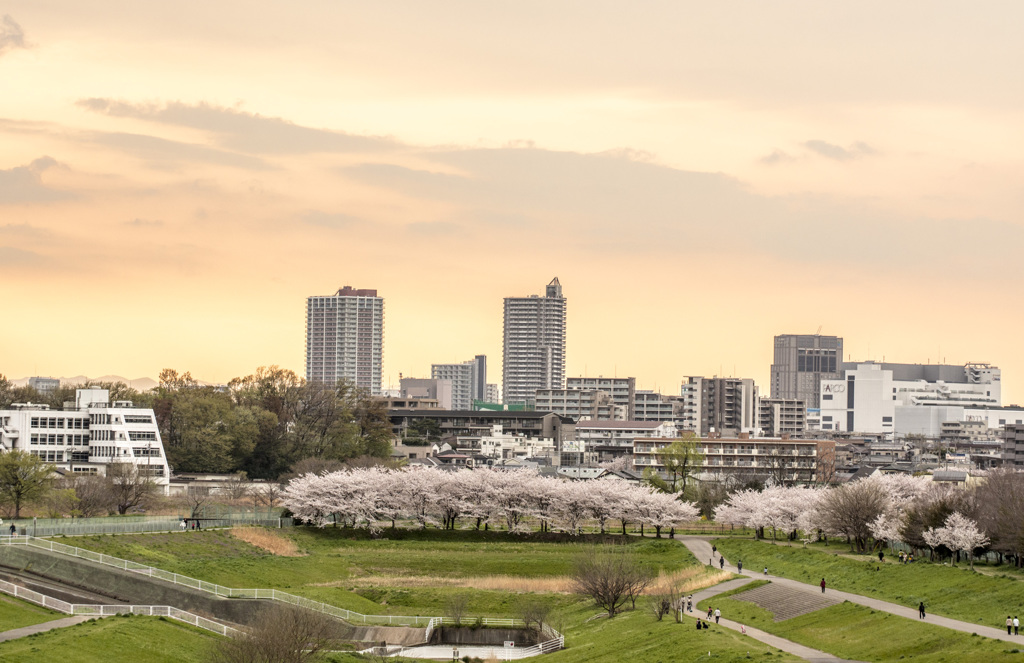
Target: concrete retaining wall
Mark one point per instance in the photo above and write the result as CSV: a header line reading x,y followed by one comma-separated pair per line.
x,y
124,586
465,635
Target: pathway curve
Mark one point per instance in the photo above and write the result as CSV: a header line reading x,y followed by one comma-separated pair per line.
x,y
701,548
16,633
789,646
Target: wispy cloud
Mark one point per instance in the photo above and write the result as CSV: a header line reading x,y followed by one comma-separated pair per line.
x,y
11,34
243,131
144,223
837,152
162,153
776,157
14,257
24,184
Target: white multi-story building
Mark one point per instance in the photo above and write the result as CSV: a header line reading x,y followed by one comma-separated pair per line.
x,y
88,437
622,391
492,394
652,406
579,404
533,349
345,338
902,399
506,445
606,440
468,380
781,416
727,406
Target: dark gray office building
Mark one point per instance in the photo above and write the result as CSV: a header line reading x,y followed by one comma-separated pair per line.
x,y
801,362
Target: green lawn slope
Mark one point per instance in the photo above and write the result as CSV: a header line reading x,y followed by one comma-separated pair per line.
x,y
15,613
112,640
953,592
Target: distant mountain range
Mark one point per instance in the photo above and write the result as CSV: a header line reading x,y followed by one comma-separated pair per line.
x,y
140,384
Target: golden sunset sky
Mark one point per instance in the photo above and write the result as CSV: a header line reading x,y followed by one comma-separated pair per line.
x,y
176,179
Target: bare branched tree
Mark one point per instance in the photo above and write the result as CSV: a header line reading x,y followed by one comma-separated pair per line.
x,y
455,607
129,487
665,599
194,499
533,612
610,576
282,634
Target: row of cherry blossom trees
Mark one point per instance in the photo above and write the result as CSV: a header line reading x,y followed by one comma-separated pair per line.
x,y
892,508
514,499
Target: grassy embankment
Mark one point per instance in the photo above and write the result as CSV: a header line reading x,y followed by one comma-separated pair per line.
x,y
15,613
857,633
409,572
952,592
416,573
113,640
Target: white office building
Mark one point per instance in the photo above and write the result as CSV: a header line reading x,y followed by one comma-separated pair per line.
x,y
903,399
345,338
87,435
533,349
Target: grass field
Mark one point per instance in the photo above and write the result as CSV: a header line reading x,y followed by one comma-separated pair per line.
x,y
858,633
112,640
409,573
15,613
417,572
953,592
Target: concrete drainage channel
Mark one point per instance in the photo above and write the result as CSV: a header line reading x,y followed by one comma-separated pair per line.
x,y
73,573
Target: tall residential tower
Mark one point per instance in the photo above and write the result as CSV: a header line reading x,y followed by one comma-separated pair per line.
x,y
345,338
534,345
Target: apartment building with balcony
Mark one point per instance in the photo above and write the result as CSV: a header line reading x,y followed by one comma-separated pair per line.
x,y
622,392
533,345
744,458
345,338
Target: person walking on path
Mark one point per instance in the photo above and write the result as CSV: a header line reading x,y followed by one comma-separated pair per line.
x,y
881,556
718,615
14,530
1009,624
766,570
709,613
714,549
1016,625
721,561
920,610
822,585
739,565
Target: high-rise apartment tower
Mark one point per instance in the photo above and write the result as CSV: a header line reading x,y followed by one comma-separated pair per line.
x,y
534,345
801,362
345,338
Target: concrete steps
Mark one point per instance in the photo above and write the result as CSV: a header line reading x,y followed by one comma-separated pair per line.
x,y
785,603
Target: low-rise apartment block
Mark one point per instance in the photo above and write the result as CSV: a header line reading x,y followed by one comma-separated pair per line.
x,y
744,458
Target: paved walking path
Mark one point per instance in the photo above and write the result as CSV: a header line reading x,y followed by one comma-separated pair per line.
x,y
42,628
789,646
701,548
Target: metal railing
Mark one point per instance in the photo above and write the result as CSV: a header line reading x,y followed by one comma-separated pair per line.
x,y
81,526
429,623
107,610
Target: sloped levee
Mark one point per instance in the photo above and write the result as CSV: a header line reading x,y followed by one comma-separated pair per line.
x,y
124,586
77,580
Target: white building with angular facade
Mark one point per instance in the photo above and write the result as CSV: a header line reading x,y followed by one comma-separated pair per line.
x,y
88,435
